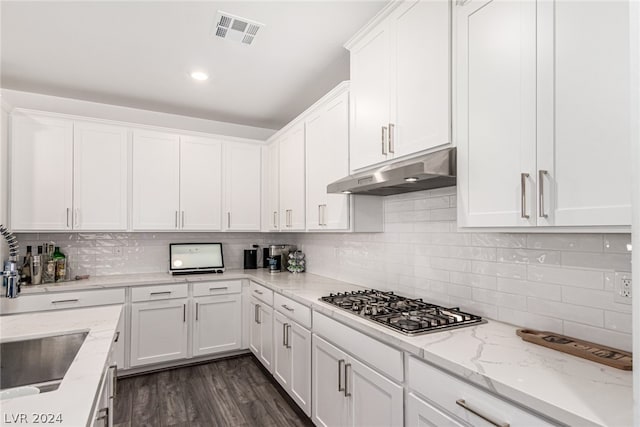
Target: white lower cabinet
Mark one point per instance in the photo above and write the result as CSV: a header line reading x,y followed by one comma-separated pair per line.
x,y
292,359
217,324
459,401
422,414
261,332
348,393
158,331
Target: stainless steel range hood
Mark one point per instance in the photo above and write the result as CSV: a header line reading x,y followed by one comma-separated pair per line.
x,y
433,170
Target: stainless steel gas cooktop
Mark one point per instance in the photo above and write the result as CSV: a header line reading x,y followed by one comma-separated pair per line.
x,y
404,315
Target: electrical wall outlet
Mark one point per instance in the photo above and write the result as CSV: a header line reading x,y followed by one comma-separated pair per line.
x,y
117,250
622,289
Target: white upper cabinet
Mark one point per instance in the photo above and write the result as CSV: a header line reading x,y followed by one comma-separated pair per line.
x,y
156,181
242,176
543,117
100,177
292,184
496,113
420,76
327,160
41,173
583,113
400,83
273,186
200,184
370,93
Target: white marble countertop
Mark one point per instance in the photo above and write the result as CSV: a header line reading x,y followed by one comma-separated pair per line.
x,y
74,400
569,389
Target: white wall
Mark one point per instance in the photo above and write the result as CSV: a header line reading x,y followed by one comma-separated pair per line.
x,y
34,101
558,282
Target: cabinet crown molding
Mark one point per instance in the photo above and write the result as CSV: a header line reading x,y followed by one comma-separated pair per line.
x,y
376,20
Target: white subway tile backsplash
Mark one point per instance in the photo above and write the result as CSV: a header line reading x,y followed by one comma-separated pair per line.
x,y
585,315
566,276
566,242
555,282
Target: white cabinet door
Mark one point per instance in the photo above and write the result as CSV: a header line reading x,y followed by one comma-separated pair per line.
x,y
292,197
242,186
158,331
299,341
370,92
583,113
273,186
200,184
254,328
423,414
374,400
156,180
281,353
327,160
41,173
420,113
217,324
496,113
265,317
330,406
100,198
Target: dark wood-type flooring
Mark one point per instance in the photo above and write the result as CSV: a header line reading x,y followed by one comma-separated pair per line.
x,y
229,392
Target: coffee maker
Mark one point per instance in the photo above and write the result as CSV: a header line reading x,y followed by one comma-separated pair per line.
x,y
278,259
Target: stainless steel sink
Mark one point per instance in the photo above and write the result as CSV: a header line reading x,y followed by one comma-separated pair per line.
x,y
41,362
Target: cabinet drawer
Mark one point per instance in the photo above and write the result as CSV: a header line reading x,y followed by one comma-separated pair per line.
x,y
222,287
384,358
450,393
61,300
293,310
262,293
152,293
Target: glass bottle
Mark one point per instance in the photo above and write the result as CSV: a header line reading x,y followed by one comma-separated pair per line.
x,y
25,273
61,264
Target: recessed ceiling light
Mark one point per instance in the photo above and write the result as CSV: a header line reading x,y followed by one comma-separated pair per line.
x,y
199,75
346,192
411,179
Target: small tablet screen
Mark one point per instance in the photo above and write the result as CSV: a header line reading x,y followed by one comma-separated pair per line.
x,y
195,256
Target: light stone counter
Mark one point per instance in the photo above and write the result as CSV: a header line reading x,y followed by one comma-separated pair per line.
x,y
569,389
74,400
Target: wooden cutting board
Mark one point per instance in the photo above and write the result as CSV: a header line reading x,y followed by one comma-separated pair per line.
x,y
587,350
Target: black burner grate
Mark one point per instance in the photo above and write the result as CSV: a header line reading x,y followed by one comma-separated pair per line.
x,y
405,315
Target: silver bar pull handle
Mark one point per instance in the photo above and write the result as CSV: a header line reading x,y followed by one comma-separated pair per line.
x,y
259,292
255,313
284,335
182,219
319,214
347,368
287,333
465,405
68,217
160,293
541,175
197,312
114,381
340,369
392,145
117,337
218,289
176,218
64,300
228,219
523,195
384,140
259,315
286,307
184,313
275,219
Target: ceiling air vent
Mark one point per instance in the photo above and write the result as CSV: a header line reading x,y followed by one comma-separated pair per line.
x,y
231,27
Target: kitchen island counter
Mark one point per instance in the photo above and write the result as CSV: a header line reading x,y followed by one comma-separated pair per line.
x,y
74,402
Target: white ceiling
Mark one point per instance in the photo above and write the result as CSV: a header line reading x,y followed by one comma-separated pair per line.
x,y
140,54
